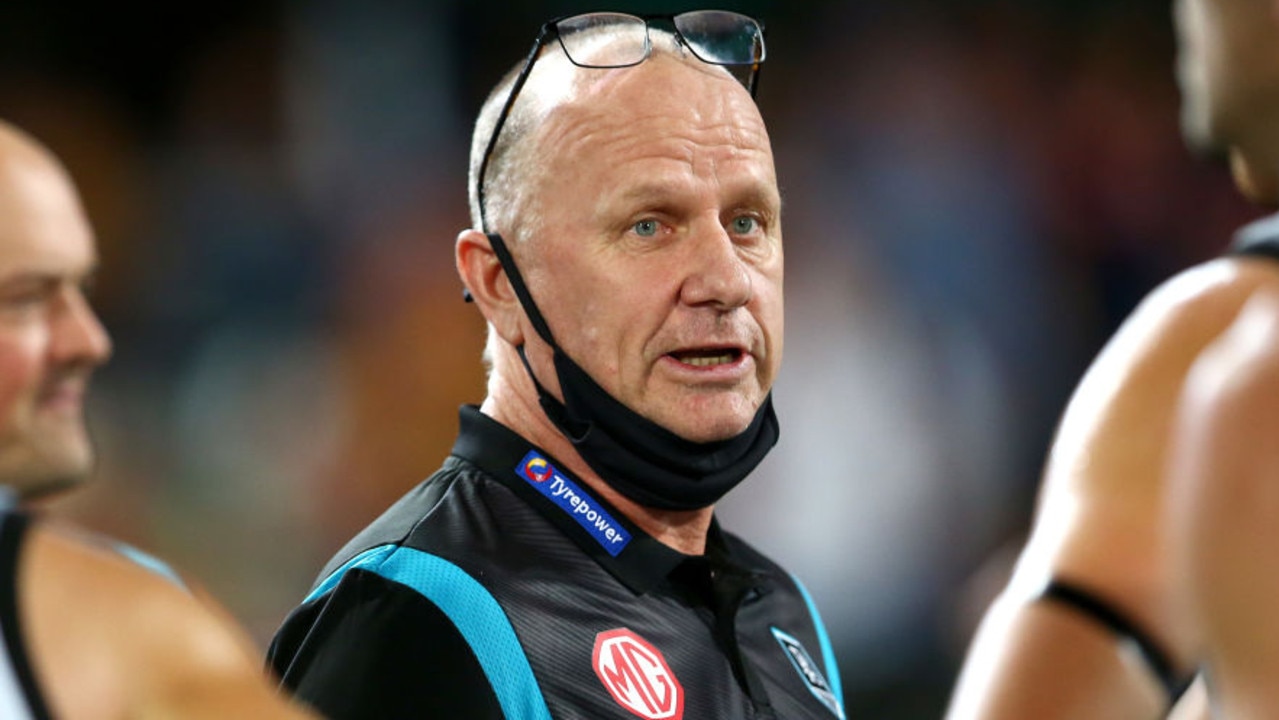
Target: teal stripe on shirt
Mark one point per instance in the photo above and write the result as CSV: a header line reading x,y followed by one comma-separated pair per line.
x,y
828,651
474,612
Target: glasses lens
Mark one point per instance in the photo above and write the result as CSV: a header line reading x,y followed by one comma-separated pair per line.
x,y
604,40
722,38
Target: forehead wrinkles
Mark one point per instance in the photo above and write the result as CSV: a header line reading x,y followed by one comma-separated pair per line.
x,y
709,122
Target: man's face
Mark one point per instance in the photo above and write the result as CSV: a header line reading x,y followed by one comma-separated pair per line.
x,y
1227,70
657,258
50,339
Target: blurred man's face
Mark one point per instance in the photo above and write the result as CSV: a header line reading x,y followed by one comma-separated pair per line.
x,y
1227,70
657,260
50,339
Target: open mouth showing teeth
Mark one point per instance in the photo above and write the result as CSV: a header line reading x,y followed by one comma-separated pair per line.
x,y
707,358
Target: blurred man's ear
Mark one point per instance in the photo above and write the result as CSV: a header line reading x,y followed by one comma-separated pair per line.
x,y
1259,184
488,284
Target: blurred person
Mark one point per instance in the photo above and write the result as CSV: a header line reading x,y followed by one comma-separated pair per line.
x,y
565,561
89,628
1112,608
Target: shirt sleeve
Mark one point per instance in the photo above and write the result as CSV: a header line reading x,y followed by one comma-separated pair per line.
x,y
373,647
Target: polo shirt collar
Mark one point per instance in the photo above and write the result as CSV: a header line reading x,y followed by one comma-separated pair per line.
x,y
643,564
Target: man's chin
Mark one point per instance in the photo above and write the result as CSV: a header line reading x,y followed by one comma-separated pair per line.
x,y
48,474
708,427
48,487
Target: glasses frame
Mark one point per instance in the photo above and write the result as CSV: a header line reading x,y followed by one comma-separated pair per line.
x,y
550,30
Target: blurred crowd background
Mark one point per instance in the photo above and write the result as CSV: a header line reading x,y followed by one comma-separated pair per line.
x,y
977,192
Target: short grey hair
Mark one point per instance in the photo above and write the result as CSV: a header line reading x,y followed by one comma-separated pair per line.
x,y
509,162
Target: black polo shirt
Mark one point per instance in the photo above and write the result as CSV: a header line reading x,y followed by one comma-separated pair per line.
x,y
503,588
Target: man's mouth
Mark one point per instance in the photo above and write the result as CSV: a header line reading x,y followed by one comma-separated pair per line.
x,y
63,393
708,357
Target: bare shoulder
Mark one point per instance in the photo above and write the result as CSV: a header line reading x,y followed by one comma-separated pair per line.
x,y
1230,390
1118,417
1196,303
1099,519
106,632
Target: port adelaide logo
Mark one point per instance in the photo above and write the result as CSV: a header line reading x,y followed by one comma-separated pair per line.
x,y
637,676
808,672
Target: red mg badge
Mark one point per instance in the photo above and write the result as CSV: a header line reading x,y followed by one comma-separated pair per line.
x,y
637,675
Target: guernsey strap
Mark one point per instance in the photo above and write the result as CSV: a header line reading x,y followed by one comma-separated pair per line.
x,y
1157,658
1260,238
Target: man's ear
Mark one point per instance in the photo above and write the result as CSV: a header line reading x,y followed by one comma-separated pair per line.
x,y
484,278
1258,182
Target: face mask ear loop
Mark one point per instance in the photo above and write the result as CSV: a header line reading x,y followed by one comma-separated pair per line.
x,y
554,409
521,291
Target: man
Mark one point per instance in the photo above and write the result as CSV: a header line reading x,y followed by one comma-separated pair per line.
x,y
565,561
1094,622
87,628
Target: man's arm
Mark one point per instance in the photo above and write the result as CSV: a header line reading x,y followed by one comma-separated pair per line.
x,y
108,638
1039,660
1224,508
1099,527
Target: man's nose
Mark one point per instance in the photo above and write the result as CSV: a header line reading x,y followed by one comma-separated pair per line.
x,y
78,334
717,274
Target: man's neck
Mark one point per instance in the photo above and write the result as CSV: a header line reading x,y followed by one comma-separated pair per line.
x,y
683,530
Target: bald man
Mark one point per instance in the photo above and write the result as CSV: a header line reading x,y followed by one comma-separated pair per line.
x,y
1121,596
90,629
565,562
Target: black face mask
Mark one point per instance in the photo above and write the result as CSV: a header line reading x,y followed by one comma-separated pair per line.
x,y
637,457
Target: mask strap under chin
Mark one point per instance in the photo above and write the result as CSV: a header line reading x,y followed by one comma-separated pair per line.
x,y
554,409
521,292
541,391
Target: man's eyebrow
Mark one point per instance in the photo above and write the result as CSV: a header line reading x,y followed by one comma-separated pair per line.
x,y
755,195
649,195
751,194
647,191
27,281
39,276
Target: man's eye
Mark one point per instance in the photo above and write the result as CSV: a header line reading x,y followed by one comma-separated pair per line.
x,y
24,300
744,225
646,228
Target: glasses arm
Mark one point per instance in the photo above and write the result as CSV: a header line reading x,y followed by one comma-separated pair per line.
x,y
758,64
542,37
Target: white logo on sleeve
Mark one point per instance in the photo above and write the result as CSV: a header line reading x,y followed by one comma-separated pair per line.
x,y
809,672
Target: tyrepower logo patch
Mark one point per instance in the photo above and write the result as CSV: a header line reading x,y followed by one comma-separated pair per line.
x,y
581,506
637,676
